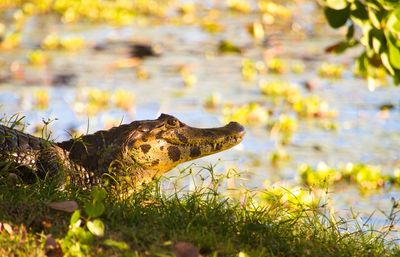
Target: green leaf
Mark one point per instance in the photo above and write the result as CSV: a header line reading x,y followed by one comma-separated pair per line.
x,y
98,193
386,63
373,4
362,64
396,77
350,32
337,18
376,40
336,4
358,11
75,217
96,227
393,21
375,18
116,244
84,236
95,209
389,4
394,54
341,46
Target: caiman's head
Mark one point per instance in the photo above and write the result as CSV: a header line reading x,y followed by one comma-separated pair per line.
x,y
161,144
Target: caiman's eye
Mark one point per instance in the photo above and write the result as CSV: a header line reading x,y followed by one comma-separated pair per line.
x,y
173,122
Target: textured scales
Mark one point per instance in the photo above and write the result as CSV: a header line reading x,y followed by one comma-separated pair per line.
x,y
130,154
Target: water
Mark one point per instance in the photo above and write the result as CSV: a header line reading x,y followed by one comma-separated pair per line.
x,y
363,134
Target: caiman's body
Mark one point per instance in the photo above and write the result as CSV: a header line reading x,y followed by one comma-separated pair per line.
x,y
129,154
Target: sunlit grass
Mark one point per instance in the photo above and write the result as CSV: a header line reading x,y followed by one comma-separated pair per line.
x,y
274,222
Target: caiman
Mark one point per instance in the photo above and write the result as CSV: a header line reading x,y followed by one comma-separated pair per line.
x,y
130,154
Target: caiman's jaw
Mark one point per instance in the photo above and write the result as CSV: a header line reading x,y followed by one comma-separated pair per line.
x,y
166,142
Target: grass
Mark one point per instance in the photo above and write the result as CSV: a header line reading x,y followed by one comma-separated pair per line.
x,y
152,222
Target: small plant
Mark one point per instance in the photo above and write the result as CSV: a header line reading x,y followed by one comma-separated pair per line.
x,y
212,101
248,69
276,65
283,128
278,156
279,89
251,113
297,67
124,99
241,6
330,70
322,176
211,26
313,106
38,57
84,232
97,100
366,177
41,99
256,30
274,9
11,40
227,47
70,43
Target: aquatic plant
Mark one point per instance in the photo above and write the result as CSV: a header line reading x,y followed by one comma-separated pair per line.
x,y
283,128
141,73
69,43
256,30
330,70
212,101
366,177
41,99
313,106
124,99
11,40
251,113
241,6
280,89
228,47
276,9
248,69
38,57
297,67
279,156
276,65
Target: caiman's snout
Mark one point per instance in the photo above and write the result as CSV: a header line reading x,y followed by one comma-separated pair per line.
x,y
205,141
235,127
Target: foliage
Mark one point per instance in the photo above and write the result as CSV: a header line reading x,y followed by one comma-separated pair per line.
x,y
379,22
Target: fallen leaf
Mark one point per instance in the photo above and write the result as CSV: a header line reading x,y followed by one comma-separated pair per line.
x,y
67,206
51,247
185,249
7,227
50,242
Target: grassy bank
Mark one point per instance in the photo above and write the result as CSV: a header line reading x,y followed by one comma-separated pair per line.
x,y
153,222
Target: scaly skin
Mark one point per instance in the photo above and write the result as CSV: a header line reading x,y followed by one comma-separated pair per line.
x,y
130,154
